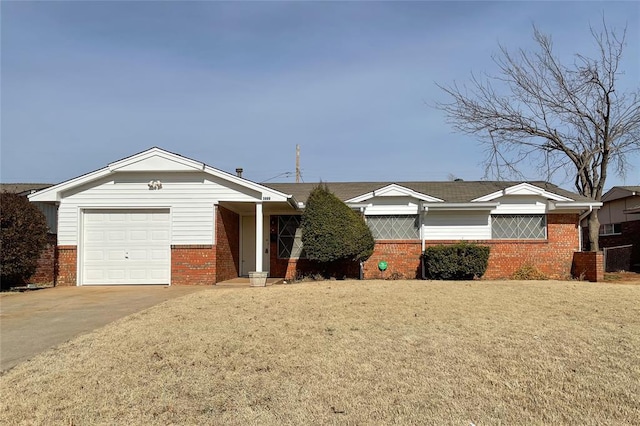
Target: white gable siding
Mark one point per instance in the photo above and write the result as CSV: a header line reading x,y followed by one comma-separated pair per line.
x,y
189,196
392,206
518,204
456,225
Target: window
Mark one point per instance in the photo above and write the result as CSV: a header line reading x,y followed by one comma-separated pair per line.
x,y
290,237
394,227
610,229
519,227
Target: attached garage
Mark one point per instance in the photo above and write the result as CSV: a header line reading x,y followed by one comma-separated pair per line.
x,y
125,247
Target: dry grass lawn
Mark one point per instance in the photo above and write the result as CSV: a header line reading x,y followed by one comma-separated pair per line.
x,y
372,352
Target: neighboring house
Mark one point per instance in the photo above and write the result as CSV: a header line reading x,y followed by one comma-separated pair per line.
x,y
620,228
46,271
160,218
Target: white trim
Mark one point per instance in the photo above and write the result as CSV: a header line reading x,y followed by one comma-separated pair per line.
x,y
393,190
522,189
559,205
259,236
460,206
54,193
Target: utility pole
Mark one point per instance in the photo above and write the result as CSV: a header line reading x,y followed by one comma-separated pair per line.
x,y
297,163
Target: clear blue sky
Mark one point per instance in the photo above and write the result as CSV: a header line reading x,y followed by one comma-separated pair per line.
x,y
239,84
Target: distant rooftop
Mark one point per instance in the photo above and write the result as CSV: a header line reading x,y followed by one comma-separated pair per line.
x,y
23,188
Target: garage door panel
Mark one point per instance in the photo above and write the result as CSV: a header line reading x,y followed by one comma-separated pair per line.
x,y
126,247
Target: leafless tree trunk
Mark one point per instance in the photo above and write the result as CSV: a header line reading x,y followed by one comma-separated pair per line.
x,y
559,118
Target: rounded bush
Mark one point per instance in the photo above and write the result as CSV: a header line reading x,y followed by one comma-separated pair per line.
x,y
331,231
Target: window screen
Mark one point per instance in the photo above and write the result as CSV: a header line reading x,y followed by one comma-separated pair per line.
x,y
394,227
520,227
290,237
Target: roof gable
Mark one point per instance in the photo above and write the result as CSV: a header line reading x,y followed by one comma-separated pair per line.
x,y
618,192
155,159
522,189
393,190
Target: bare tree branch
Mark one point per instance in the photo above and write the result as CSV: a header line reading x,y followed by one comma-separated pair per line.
x,y
539,111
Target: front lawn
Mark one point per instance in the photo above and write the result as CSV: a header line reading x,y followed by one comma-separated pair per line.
x,y
369,352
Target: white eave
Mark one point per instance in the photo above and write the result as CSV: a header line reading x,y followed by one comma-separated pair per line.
x,y
156,159
393,190
461,206
522,189
574,205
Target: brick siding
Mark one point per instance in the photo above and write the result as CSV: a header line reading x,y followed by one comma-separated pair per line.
x,y
46,270
553,256
193,264
67,265
227,244
588,265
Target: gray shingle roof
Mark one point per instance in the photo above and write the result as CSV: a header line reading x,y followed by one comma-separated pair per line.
x,y
449,191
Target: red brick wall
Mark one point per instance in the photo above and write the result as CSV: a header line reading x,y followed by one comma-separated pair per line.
x,y
402,257
193,265
67,265
553,256
227,244
588,265
47,263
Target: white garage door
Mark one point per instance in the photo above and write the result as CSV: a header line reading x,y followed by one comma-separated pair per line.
x,y
126,247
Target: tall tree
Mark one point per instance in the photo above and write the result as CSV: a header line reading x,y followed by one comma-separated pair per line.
x,y
541,112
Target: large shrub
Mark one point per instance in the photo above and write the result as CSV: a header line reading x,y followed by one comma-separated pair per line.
x,y
23,235
331,231
460,261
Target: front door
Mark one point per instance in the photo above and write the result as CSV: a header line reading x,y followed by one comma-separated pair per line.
x,y
248,247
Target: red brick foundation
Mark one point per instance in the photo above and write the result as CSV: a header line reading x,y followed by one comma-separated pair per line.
x,y
588,265
193,265
47,263
67,266
227,244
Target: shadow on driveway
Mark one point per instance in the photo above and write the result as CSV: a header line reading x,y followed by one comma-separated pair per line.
x,y
34,321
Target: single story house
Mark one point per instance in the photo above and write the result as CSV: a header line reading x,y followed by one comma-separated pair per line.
x,y
620,228
160,218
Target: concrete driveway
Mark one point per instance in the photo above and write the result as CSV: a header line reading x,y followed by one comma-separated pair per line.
x,y
34,321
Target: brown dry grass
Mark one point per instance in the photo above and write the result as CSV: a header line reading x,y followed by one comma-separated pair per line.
x,y
400,352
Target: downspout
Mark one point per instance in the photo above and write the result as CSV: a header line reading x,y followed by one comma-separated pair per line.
x,y
581,218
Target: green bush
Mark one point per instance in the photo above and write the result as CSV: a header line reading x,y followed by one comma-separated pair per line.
x,y
332,232
460,261
23,235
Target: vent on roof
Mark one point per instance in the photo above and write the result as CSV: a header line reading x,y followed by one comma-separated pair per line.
x,y
239,171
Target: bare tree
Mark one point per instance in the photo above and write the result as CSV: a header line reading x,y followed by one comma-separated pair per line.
x,y
538,111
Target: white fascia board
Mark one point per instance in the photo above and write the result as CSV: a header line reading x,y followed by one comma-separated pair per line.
x,y
393,190
53,193
460,206
574,205
268,194
169,160
522,189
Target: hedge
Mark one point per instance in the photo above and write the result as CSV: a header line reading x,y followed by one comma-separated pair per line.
x,y
462,261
